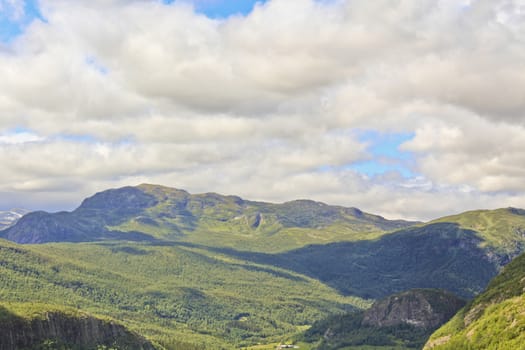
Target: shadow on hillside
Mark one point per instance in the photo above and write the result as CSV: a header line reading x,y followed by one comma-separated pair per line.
x,y
440,255
7,316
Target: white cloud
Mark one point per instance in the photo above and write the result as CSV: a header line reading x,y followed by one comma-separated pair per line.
x,y
472,151
266,105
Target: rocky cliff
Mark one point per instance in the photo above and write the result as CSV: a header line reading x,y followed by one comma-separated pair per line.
x,y
423,308
59,329
404,320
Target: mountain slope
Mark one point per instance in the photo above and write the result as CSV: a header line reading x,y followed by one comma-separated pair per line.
x,y
226,272
149,212
461,253
502,230
431,256
403,321
39,326
175,294
493,320
356,253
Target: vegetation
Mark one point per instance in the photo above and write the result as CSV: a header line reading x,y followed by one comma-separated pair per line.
x,y
401,321
149,213
493,320
440,255
209,271
169,293
501,230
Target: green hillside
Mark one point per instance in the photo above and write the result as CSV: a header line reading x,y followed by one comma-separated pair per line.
x,y
150,212
211,271
502,230
173,294
493,320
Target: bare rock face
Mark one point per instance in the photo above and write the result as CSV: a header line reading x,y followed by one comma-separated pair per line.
x,y
55,328
422,308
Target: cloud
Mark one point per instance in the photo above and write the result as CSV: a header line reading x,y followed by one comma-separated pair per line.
x,y
269,105
472,151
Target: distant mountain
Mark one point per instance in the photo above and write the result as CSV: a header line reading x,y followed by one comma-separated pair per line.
x,y
207,271
35,326
355,252
495,319
404,320
10,217
149,212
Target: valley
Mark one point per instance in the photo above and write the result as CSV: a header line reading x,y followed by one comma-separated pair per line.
x,y
219,272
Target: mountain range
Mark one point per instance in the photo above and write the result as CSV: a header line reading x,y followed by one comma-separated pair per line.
x,y
10,217
149,212
207,271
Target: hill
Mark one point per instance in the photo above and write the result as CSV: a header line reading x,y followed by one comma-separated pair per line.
x,y
436,255
38,326
495,319
180,296
502,230
401,321
354,252
460,253
212,271
149,213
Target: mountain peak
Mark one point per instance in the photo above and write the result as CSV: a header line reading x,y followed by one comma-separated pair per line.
x,y
125,198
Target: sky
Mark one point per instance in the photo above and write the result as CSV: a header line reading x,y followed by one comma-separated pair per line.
x,y
409,109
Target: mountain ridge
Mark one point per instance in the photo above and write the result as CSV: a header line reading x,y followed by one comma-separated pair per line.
x,y
337,245
232,272
150,212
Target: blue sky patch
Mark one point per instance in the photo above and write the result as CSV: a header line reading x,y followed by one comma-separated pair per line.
x,y
221,8
385,154
12,23
96,65
373,168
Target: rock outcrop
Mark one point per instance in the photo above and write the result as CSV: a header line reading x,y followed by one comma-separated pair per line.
x,y
57,329
422,308
403,320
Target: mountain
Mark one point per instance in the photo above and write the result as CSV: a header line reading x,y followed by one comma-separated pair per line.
x,y
10,217
495,319
354,252
404,321
206,271
460,253
149,212
37,326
